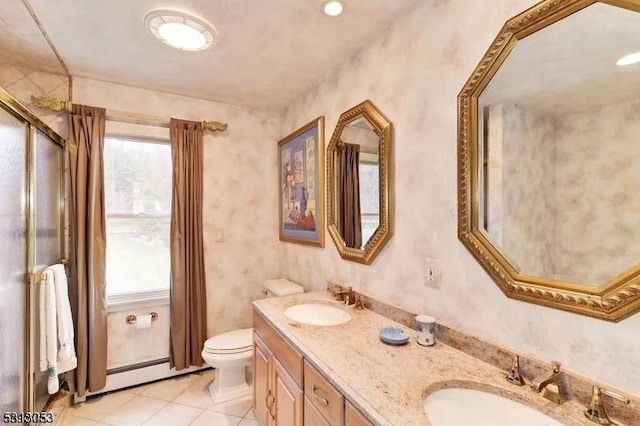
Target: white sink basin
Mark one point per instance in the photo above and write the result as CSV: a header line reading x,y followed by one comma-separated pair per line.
x,y
317,314
462,407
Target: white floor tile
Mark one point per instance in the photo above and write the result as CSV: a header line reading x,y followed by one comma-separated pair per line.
x,y
174,415
135,412
98,407
248,422
238,407
196,395
167,389
211,418
70,420
204,376
249,414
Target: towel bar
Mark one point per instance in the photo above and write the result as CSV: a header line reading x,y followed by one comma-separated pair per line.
x,y
131,319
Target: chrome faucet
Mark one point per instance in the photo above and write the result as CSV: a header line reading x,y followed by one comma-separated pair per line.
x,y
595,410
514,376
549,385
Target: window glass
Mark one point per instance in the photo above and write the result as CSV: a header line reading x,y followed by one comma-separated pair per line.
x,y
137,176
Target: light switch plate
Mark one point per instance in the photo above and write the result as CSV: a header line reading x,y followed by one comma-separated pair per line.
x,y
432,272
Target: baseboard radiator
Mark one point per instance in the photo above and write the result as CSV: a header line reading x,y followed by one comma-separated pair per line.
x,y
138,374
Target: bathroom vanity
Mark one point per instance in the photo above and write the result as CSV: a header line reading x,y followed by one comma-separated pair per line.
x,y
288,389
344,375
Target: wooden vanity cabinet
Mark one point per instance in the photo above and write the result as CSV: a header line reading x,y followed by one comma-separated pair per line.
x,y
353,417
262,366
279,397
277,378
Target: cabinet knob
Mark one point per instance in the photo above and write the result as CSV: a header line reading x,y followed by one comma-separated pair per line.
x,y
322,401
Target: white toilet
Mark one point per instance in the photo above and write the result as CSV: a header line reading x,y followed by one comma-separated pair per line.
x,y
231,353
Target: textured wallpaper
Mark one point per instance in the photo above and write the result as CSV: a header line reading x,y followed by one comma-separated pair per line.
x,y
413,72
563,190
528,166
598,200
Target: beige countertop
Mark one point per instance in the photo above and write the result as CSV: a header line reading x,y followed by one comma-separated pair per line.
x,y
389,383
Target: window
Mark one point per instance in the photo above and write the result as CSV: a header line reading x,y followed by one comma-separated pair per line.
x,y
369,199
137,176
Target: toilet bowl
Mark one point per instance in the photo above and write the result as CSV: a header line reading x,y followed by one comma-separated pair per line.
x,y
231,353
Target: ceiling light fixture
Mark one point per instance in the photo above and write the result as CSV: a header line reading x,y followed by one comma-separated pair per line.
x,y
332,7
631,59
180,30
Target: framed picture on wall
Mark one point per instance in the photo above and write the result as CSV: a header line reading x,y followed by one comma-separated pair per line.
x,y
301,185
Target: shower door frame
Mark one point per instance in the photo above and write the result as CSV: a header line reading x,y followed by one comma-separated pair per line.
x,y
34,124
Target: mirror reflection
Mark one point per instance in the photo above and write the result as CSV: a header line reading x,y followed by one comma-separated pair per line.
x,y
357,183
559,153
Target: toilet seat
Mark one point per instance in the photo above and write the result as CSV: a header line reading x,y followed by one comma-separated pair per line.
x,y
232,342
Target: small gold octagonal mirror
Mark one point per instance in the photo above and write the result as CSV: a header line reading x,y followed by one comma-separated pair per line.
x,y
359,183
549,157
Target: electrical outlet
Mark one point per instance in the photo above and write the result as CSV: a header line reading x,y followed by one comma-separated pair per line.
x,y
432,272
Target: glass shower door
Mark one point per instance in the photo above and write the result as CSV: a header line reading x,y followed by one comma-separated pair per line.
x,y
47,238
13,261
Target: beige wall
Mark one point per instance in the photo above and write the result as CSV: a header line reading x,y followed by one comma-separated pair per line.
x,y
597,193
413,73
21,83
528,218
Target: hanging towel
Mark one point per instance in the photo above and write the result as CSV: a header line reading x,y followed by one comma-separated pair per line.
x,y
57,352
67,360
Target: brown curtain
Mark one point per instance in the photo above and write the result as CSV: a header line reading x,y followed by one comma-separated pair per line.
x,y
87,264
348,197
188,291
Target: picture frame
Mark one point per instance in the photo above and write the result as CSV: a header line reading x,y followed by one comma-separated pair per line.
x,y
301,185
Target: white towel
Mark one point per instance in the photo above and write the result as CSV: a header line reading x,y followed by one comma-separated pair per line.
x,y
66,351
48,331
57,352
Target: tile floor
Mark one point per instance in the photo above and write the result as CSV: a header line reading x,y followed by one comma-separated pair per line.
x,y
178,401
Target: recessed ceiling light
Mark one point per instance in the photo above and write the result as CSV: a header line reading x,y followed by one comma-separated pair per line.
x,y
631,59
332,7
180,30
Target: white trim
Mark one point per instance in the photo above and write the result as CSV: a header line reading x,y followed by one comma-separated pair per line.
x,y
140,376
139,299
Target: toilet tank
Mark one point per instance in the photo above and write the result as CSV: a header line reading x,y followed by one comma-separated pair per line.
x,y
281,287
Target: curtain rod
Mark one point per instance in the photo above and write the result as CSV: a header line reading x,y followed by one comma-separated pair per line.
x,y
55,104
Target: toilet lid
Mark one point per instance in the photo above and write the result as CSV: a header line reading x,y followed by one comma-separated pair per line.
x,y
231,342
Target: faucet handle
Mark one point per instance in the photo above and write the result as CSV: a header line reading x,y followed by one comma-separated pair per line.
x,y
514,376
595,410
359,303
556,366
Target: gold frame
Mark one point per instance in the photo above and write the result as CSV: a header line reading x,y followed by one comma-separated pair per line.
x,y
384,129
319,218
613,301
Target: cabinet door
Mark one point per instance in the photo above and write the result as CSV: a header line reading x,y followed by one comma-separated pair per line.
x,y
288,398
353,417
262,397
312,416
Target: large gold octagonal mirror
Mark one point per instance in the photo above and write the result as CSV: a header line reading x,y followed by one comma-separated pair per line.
x,y
549,157
359,183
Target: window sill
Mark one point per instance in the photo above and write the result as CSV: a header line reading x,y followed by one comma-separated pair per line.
x,y
143,299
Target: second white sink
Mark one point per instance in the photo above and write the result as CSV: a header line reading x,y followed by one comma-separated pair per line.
x,y
462,407
317,314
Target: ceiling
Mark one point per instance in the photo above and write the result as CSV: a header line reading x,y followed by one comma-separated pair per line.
x,y
268,53
570,66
